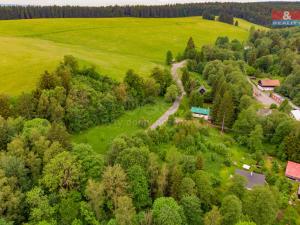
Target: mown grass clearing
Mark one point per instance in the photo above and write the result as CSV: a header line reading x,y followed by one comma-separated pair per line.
x,y
113,45
100,137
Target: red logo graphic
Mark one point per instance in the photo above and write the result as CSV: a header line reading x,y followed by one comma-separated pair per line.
x,y
285,15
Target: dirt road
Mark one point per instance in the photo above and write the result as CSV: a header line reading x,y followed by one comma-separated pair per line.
x,y
173,109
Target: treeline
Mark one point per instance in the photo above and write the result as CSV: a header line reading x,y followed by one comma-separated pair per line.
x,y
259,13
80,98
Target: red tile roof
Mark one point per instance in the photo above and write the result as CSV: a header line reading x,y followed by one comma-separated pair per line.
x,y
269,83
293,170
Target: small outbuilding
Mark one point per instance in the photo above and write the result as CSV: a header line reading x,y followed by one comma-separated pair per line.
x,y
268,85
202,90
296,114
198,112
292,170
253,179
277,98
246,167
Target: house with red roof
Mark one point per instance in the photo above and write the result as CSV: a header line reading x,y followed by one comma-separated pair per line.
x,y
292,170
268,85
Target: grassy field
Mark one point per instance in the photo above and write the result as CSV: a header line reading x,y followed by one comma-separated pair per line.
x,y
113,45
100,137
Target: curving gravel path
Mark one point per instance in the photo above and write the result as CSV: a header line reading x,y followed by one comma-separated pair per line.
x,y
173,109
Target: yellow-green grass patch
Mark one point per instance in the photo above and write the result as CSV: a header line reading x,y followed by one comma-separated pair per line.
x,y
113,45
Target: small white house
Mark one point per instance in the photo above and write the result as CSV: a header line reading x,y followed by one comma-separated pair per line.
x,y
296,114
246,167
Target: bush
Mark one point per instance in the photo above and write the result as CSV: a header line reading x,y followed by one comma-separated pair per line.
x,y
220,149
143,123
204,131
172,93
227,162
226,18
179,57
196,99
208,16
171,120
188,115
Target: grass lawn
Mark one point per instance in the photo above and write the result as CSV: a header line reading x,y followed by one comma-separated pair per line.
x,y
113,45
100,137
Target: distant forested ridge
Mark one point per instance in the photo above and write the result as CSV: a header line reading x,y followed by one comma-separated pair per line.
x,y
259,13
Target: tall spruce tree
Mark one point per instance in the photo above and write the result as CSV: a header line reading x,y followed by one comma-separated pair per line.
x,y
225,114
169,58
190,50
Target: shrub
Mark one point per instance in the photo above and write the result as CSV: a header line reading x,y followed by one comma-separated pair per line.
x,y
172,93
188,115
171,120
143,123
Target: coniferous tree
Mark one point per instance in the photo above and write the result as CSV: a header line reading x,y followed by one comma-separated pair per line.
x,y
5,108
208,16
226,18
225,114
169,58
190,50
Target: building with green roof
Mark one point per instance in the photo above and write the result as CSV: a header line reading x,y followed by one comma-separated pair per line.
x,y
200,113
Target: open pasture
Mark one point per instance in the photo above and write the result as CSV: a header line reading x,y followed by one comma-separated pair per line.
x,y
112,45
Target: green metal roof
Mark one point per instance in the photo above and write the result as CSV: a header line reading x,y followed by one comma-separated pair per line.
x,y
201,111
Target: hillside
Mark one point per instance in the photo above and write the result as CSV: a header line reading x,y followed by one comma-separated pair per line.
x,y
113,45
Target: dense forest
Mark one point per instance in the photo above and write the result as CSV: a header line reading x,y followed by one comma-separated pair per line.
x,y
259,13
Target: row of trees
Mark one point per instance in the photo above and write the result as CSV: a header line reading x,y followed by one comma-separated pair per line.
x,y
81,98
259,13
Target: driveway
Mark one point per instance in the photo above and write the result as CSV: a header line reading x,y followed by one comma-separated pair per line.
x,y
173,109
262,97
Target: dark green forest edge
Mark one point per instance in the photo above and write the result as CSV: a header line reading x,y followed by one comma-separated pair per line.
x,y
259,13
162,176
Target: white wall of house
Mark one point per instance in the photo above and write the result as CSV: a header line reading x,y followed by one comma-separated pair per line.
x,y
265,88
195,115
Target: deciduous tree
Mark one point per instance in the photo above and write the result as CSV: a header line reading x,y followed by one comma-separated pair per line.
x,y
166,211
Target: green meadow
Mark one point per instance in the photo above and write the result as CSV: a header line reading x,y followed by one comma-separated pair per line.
x,y
112,45
100,137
